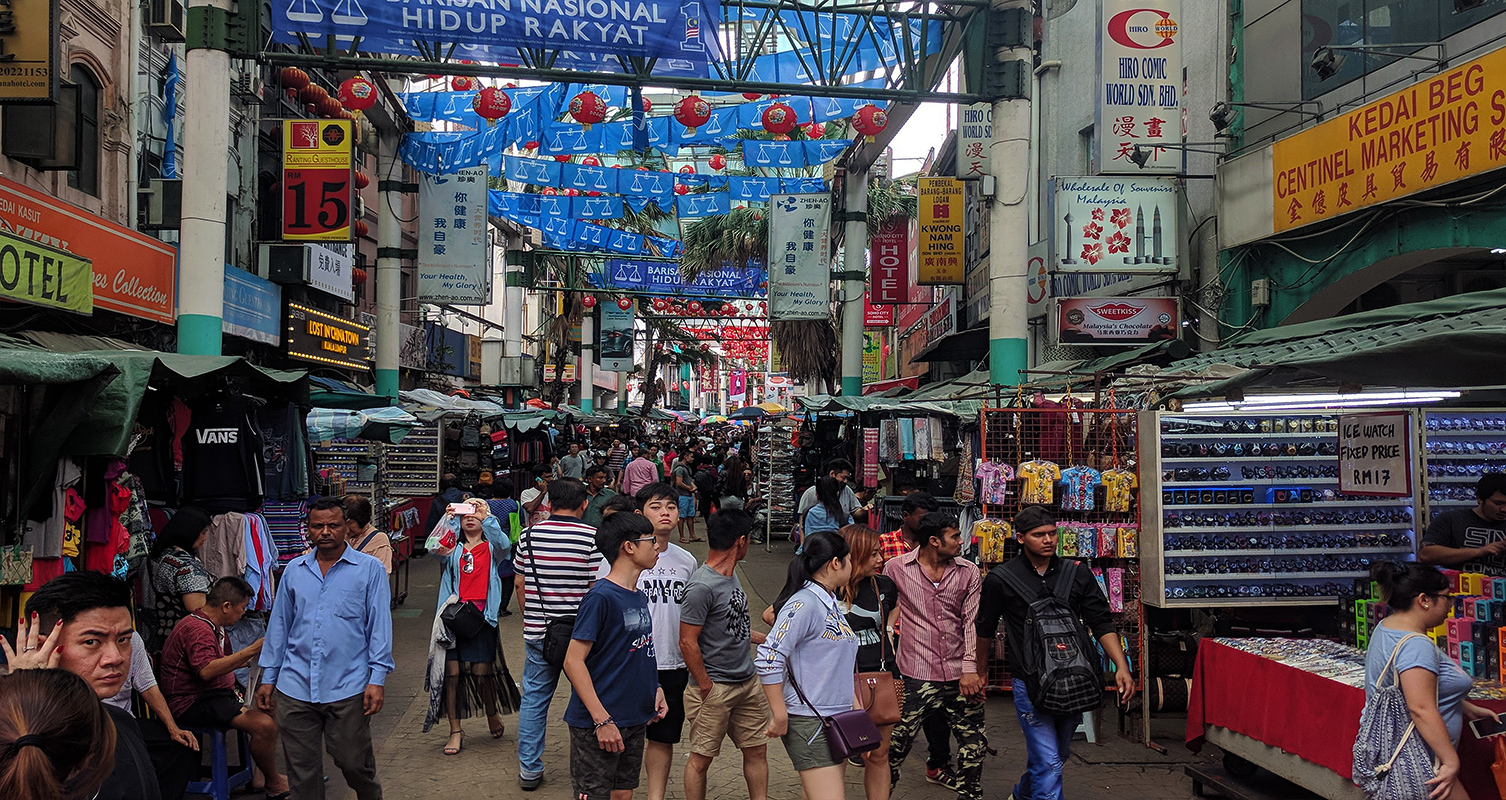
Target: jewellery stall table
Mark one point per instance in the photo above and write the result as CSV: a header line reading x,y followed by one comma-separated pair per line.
x,y
1292,706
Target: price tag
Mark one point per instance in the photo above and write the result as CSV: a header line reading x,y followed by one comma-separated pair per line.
x,y
1375,454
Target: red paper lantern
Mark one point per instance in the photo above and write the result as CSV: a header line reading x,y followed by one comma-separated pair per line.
x,y
562,159
362,181
530,146
329,107
358,275
588,301
779,118
870,121
358,94
491,104
624,303
687,170
751,95
695,306
648,105
549,191
361,228
815,130
782,137
293,78
588,109
435,77
311,108
718,162
312,94
682,189
462,83
660,304
591,161
692,112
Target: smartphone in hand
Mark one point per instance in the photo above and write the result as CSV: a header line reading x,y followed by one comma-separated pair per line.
x,y
1486,728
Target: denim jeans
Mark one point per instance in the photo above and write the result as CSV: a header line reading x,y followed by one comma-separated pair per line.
x,y
1048,743
539,682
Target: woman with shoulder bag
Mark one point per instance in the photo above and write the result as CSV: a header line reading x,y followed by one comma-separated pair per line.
x,y
1421,752
806,663
475,674
870,602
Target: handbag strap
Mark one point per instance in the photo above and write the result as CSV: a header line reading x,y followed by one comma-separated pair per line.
x,y
883,629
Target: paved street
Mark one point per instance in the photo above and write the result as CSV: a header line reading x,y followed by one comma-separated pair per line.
x,y
412,766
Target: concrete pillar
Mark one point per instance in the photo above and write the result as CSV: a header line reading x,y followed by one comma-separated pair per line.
x,y
201,249
1009,224
389,267
855,238
585,373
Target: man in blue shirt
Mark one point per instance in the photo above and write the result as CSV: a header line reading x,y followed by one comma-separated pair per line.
x,y
326,656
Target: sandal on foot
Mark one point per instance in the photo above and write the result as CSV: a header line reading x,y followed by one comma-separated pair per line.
x,y
451,751
498,731
280,796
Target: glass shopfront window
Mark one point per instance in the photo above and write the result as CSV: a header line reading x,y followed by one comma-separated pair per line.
x,y
1327,23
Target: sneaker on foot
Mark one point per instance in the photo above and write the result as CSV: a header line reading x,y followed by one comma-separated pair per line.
x,y
529,784
942,776
856,761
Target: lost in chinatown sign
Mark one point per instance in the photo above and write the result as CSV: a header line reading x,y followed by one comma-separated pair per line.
x,y
1440,130
322,338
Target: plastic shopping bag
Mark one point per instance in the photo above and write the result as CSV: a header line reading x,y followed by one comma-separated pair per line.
x,y
445,535
1498,768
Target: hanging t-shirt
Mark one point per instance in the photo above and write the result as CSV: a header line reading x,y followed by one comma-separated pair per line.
x,y
282,448
1040,479
994,480
1119,486
1080,484
152,459
621,662
222,453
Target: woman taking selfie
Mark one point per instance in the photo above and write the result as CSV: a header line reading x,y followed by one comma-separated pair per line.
x,y
811,646
474,672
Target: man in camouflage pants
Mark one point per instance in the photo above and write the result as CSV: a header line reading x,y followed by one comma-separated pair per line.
x,y
938,610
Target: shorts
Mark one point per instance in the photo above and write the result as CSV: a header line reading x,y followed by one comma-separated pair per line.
x,y
595,773
667,730
806,752
739,710
687,507
215,708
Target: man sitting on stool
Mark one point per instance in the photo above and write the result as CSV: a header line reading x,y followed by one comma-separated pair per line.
x,y
198,676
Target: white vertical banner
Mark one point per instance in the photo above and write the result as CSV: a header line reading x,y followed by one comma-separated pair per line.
x,y
975,135
330,268
453,264
1139,85
799,247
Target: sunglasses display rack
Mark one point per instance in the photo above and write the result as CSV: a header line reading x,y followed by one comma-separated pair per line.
x,y
410,468
1245,510
350,464
1457,447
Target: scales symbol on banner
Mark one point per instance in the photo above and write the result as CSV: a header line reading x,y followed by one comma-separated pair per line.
x,y
596,207
627,275
713,125
833,108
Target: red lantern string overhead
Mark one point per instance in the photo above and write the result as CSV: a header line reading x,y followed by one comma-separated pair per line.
x,y
358,275
588,109
751,95
688,169
870,121
293,79
311,108
462,83
358,94
562,159
782,137
695,306
329,107
491,104
815,130
648,105
779,119
549,191
361,228
682,189
718,162
312,94
624,303
362,181
591,161
692,112
588,301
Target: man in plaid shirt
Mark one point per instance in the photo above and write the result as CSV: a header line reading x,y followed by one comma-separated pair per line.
x,y
898,542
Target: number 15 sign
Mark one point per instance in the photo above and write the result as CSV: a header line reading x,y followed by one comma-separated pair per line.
x,y
317,189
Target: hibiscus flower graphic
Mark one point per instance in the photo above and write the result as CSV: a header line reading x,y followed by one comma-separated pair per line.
x,y
1098,214
1120,217
1118,243
1092,230
1092,253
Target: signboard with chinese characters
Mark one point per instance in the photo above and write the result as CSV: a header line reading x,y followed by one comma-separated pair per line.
x,y
318,192
942,319
1375,454
1437,131
873,350
616,350
323,338
35,274
1114,224
1139,85
330,268
942,250
889,262
453,265
976,291
799,245
975,136
28,51
1116,320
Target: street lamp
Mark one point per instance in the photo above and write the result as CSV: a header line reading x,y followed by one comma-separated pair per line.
x,y
1327,60
1222,114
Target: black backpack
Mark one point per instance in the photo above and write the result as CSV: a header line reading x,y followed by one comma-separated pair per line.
x,y
1057,656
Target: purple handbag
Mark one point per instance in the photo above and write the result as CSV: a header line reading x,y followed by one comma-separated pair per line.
x,y
848,733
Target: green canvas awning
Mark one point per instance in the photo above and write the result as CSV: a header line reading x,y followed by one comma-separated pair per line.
x,y
899,406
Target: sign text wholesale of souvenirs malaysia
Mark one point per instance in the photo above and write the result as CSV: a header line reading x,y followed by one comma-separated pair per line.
x,y
1439,130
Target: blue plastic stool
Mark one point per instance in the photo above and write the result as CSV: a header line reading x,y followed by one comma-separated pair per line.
x,y
221,782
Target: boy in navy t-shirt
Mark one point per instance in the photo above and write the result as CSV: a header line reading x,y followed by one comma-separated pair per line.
x,y
611,667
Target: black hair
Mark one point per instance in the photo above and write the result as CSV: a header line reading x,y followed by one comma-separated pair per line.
x,y
449,481
918,500
358,509
1489,484
593,469
829,495
182,530
725,527
734,482
502,486
324,504
816,551
1032,517
838,465
1401,582
933,524
620,528
620,502
73,593
658,490
229,589
484,492
566,494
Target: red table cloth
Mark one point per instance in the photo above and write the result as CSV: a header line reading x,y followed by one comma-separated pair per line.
x,y
1307,715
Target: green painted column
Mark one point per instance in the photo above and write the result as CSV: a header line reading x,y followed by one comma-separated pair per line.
x,y
199,334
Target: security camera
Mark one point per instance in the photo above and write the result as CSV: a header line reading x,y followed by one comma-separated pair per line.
x,y
1326,63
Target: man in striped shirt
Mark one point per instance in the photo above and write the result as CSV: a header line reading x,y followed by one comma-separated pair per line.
x,y
555,562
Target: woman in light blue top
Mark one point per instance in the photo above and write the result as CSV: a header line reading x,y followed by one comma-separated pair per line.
x,y
828,513
475,674
1435,686
813,646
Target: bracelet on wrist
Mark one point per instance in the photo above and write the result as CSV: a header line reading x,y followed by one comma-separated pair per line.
x,y
598,726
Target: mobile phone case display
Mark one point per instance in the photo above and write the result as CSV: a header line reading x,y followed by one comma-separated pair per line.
x,y
410,468
1082,463
346,466
1459,446
1248,512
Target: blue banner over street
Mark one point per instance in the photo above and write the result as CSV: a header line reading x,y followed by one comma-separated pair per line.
x,y
663,277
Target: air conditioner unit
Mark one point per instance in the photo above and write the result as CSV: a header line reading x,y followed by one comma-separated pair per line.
x,y
1478,280
165,18
160,205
